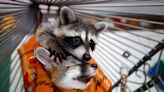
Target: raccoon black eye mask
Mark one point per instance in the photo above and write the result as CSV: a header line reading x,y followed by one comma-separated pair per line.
x,y
77,41
92,45
73,42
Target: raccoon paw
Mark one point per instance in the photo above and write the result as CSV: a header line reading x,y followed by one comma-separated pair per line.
x,y
58,54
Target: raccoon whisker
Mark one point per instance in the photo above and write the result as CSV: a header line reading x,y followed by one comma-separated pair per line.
x,y
66,45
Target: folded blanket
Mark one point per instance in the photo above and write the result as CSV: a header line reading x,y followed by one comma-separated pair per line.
x,y
37,80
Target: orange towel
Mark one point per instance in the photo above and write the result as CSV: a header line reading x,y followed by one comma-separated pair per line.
x,y
37,80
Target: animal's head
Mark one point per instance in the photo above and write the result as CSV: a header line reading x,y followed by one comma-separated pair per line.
x,y
76,37
68,74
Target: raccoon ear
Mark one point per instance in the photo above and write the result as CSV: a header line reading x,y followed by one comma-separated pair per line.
x,y
101,26
67,16
43,56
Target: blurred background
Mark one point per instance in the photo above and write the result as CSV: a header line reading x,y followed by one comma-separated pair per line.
x,y
130,52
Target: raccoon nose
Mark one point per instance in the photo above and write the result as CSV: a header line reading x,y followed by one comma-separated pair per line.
x,y
94,66
86,57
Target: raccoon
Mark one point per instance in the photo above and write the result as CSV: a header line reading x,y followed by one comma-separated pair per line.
x,y
70,36
68,74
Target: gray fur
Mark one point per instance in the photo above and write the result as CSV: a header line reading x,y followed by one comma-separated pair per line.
x,y
67,16
81,26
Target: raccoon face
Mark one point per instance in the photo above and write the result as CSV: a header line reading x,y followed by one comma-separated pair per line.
x,y
80,46
68,74
76,37
78,76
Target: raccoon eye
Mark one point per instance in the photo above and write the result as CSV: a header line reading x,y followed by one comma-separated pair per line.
x,y
77,41
72,42
92,44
